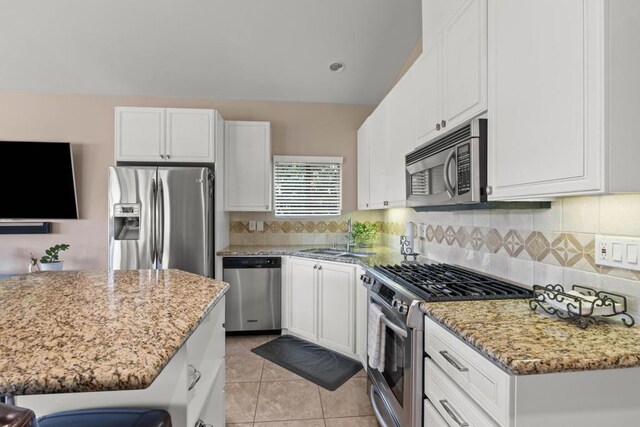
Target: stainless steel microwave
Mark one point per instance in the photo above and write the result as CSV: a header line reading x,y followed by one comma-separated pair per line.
x,y
449,170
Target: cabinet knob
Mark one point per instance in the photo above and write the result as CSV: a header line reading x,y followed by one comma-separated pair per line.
x,y
444,123
319,267
437,126
162,156
315,266
367,204
266,207
168,156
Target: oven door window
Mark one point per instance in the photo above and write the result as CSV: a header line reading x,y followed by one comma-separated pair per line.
x,y
394,364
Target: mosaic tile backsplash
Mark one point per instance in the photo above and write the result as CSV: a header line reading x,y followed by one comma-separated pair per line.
x,y
554,245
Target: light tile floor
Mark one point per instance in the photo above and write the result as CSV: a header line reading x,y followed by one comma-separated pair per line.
x,y
260,393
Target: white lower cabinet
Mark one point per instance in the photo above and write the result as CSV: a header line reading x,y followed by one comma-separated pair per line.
x,y
320,303
362,316
302,288
451,401
189,387
462,387
336,306
432,417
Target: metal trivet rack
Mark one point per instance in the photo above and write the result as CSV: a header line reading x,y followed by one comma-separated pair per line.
x,y
582,305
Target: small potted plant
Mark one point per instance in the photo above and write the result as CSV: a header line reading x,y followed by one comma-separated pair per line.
x,y
364,233
51,261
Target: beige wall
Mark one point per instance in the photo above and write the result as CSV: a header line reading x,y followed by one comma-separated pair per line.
x,y
87,122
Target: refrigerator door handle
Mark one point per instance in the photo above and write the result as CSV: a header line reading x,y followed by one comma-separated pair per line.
x,y
160,238
154,196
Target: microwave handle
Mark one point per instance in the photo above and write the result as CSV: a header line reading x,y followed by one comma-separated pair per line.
x,y
447,183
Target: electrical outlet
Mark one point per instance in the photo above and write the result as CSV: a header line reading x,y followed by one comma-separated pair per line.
x,y
260,226
617,251
422,231
252,226
603,251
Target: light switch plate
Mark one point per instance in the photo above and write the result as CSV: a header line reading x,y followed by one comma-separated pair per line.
x,y
259,225
422,231
252,226
618,251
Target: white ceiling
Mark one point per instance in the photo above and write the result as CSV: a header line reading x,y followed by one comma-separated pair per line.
x,y
225,49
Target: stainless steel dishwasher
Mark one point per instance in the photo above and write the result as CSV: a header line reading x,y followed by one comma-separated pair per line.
x,y
253,301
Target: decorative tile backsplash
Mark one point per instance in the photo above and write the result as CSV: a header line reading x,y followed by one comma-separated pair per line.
x,y
296,231
554,245
573,250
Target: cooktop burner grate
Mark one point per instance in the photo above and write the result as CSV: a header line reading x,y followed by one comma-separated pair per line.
x,y
444,282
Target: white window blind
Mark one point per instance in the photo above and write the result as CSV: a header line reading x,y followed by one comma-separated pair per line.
x,y
307,186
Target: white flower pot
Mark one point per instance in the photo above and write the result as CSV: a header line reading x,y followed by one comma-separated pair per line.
x,y
51,266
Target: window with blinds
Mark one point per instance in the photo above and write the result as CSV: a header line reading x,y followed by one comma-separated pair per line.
x,y
307,186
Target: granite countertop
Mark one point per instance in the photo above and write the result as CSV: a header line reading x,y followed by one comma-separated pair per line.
x,y
524,342
381,255
81,331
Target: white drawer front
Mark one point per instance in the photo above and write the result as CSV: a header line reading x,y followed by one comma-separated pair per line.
x,y
456,407
431,416
487,384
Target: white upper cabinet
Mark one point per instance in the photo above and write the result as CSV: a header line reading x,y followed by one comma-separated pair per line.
x,y
165,134
390,135
427,111
378,137
451,76
400,138
435,15
190,135
140,134
465,64
247,166
363,165
554,109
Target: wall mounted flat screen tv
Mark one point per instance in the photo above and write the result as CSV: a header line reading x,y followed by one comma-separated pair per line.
x,y
37,181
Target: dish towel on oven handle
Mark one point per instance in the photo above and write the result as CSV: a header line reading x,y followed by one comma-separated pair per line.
x,y
376,337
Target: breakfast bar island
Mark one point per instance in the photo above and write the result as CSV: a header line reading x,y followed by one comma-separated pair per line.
x,y
89,339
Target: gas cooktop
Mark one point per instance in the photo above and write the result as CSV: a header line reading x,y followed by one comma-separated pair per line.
x,y
444,282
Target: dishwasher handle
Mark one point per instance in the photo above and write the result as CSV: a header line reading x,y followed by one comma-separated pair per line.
x,y
251,262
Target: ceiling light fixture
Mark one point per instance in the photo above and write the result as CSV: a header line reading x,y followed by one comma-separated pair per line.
x,y
336,66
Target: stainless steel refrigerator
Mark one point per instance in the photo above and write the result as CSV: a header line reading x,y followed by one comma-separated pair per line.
x,y
161,217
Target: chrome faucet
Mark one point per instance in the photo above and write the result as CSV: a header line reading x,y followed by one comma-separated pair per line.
x,y
350,241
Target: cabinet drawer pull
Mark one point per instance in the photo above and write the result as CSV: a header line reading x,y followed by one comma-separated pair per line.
x,y
437,126
453,414
444,124
453,361
195,376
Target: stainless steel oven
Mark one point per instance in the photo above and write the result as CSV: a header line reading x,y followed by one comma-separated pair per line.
x,y
450,170
396,392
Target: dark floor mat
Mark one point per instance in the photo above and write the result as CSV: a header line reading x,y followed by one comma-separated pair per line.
x,y
323,367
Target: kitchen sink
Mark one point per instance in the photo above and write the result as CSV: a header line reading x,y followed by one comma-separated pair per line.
x,y
337,252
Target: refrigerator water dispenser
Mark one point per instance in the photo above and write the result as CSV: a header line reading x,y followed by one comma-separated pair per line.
x,y
126,221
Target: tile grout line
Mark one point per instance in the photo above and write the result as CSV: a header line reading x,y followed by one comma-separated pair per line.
x,y
321,405
255,412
